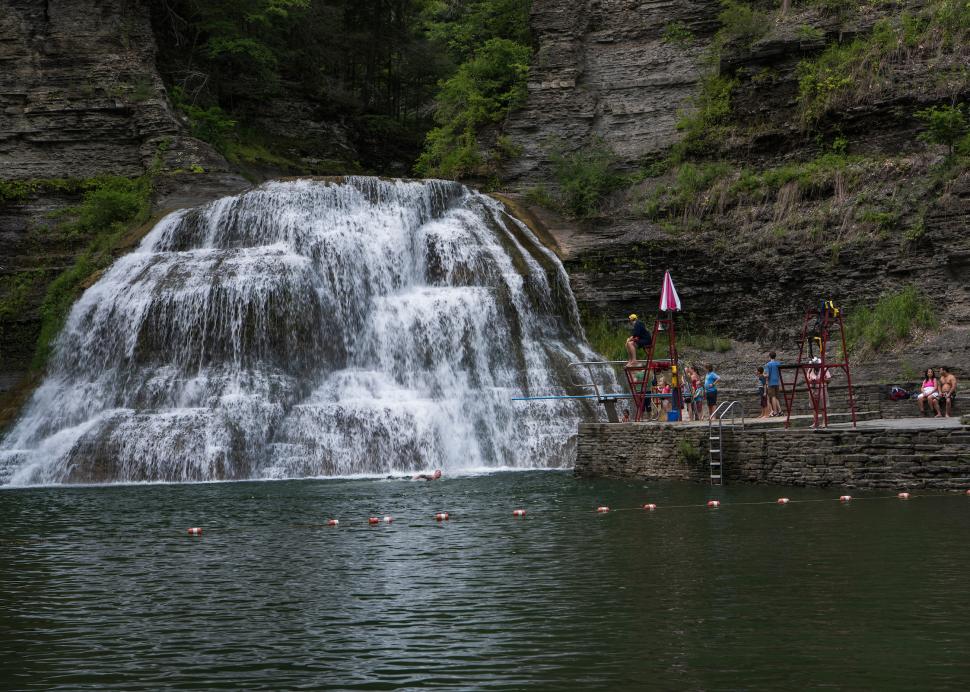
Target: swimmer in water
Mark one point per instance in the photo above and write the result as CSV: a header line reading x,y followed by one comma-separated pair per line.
x,y
428,477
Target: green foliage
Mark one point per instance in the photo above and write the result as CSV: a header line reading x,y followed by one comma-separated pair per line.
x,y
705,126
883,221
677,33
705,341
20,190
541,196
808,33
109,208
363,64
15,290
585,178
863,68
690,181
890,321
741,22
606,338
813,177
210,124
483,91
945,125
688,452
461,26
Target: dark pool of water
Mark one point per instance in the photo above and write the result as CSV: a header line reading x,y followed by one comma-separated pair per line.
x,y
102,588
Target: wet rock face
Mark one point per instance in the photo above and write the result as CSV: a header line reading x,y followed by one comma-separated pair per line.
x,y
603,69
79,92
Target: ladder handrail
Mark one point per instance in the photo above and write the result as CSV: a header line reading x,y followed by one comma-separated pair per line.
x,y
723,410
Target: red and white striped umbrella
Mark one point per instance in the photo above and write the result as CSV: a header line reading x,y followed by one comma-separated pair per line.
x,y
669,300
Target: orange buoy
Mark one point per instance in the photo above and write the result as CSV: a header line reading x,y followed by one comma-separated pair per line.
x,y
388,519
442,516
195,531
373,520
603,509
903,496
845,498
713,503
650,507
783,500
332,522
518,512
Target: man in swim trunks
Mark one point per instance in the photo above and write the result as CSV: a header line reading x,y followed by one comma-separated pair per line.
x,y
428,477
773,371
948,389
639,338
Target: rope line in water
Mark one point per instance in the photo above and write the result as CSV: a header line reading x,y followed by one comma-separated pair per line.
x,y
520,513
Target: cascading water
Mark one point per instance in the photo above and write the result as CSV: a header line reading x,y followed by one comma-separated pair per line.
x,y
311,328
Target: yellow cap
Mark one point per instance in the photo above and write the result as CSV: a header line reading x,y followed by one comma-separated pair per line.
x,y
633,316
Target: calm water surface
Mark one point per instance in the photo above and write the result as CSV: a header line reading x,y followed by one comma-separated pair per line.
x,y
101,588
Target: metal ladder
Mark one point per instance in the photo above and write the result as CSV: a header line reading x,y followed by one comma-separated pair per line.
x,y
728,409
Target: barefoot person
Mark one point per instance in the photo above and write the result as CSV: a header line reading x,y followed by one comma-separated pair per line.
x,y
773,371
710,389
763,391
929,391
818,384
948,389
639,338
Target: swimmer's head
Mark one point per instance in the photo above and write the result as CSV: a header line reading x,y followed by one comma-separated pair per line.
x,y
437,474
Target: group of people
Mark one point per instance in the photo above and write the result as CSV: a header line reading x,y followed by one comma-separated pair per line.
x,y
940,392
695,391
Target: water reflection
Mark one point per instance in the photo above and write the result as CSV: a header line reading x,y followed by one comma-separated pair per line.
x,y
101,587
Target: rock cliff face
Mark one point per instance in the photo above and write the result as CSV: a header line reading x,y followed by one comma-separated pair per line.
x,y
78,89
79,97
748,258
602,69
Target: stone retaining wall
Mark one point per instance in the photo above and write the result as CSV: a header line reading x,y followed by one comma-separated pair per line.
x,y
861,458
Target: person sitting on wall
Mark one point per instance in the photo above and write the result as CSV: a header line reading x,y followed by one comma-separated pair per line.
x,y
929,391
428,477
948,389
639,338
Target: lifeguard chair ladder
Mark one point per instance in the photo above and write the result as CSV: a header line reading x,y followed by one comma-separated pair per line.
x,y
640,389
817,331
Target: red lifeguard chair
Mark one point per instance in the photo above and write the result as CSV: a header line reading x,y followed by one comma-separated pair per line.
x,y
641,378
821,328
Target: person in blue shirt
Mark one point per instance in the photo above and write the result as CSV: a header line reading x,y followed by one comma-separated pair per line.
x,y
773,371
710,388
639,338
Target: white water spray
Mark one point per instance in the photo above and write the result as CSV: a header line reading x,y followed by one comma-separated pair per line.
x,y
311,328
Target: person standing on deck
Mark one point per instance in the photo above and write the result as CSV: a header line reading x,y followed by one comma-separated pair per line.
x,y
819,382
639,338
773,371
710,389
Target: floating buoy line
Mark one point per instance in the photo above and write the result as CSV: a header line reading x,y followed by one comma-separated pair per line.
x,y
652,507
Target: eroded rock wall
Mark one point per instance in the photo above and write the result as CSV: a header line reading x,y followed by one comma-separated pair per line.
x,y
603,70
747,266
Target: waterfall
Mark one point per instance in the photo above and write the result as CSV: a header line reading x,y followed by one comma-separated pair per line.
x,y
311,328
